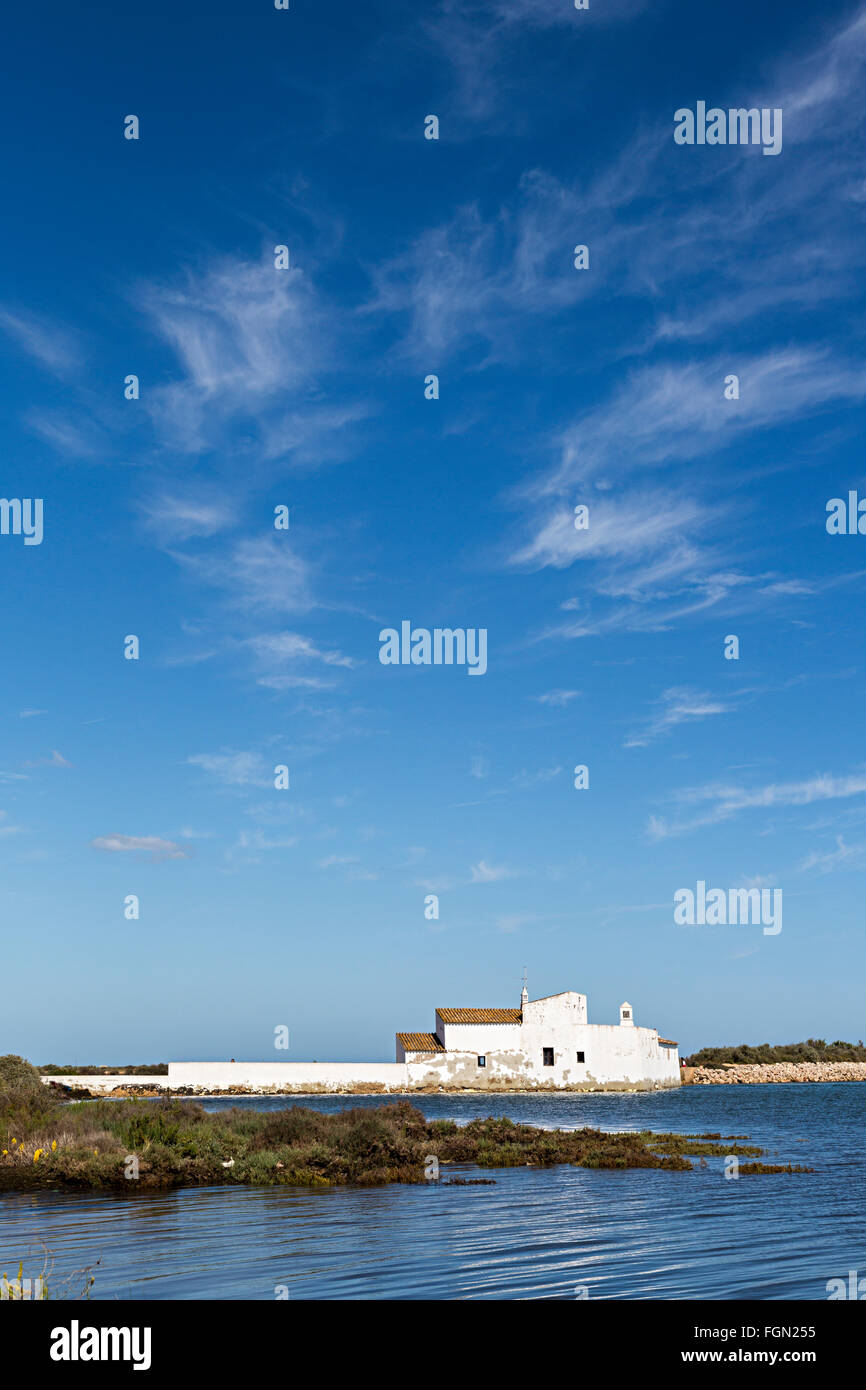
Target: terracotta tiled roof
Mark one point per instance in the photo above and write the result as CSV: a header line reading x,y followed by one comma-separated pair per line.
x,y
479,1015
666,1042
420,1042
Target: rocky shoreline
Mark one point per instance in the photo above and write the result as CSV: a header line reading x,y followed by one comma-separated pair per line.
x,y
756,1074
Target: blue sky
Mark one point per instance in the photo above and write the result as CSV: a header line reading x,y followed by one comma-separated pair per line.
x,y
305,387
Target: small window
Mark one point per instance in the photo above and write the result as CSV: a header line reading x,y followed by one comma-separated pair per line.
x,y
482,1061
548,1056
626,1013
581,1056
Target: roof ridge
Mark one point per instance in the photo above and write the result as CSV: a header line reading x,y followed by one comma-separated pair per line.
x,y
480,1015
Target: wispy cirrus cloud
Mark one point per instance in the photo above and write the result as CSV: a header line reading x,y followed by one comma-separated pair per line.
x,y
535,779
824,78
314,435
645,561
673,413
5,828
243,334
47,342
557,699
844,856
477,37
722,802
621,529
74,435
675,706
241,331
261,840
175,517
335,861
258,573
284,659
56,759
233,769
151,845
483,872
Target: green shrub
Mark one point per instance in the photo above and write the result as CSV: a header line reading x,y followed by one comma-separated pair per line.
x,y
26,1103
744,1054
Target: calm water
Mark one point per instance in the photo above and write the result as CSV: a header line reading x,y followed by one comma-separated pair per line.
x,y
535,1234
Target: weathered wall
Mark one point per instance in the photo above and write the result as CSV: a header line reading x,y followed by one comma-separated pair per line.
x,y
307,1077
457,1071
106,1083
558,1010
609,1064
616,1056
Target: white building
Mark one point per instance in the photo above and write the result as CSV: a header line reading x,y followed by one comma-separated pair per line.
x,y
546,1044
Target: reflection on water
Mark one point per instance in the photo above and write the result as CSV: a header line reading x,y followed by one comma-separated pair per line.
x,y
535,1234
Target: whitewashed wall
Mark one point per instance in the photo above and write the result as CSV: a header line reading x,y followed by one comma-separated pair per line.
x,y
289,1076
478,1037
105,1083
609,1065
616,1056
558,1010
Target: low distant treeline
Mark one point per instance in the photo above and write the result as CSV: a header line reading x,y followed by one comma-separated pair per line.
x,y
153,1069
812,1050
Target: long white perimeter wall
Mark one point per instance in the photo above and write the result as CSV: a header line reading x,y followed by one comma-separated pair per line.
x,y
106,1082
290,1076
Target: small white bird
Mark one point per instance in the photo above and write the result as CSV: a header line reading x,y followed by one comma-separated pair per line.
x,y
229,1163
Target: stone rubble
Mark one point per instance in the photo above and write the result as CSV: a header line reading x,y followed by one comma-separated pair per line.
x,y
733,1073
